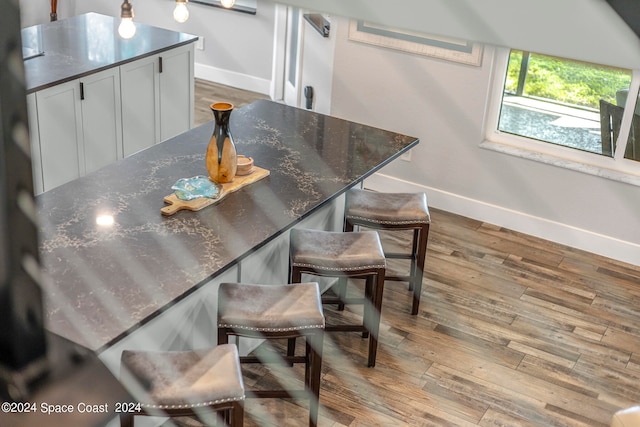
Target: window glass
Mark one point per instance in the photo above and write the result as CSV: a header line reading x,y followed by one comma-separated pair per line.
x,y
564,102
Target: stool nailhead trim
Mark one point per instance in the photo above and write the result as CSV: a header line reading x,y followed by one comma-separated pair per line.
x,y
321,267
251,328
422,221
194,405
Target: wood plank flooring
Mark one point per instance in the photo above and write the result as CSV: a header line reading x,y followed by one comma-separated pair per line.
x,y
512,331
206,93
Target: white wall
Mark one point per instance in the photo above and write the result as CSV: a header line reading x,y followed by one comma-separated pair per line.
x,y
444,104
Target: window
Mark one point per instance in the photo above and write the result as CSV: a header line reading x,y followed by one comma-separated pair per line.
x,y
565,108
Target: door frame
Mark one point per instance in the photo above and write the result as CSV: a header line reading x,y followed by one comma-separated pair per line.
x,y
282,89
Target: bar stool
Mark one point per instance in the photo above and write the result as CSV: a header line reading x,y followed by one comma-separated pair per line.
x,y
276,312
185,383
343,255
394,211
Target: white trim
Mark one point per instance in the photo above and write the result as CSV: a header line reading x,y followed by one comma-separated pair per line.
x,y
514,220
627,116
279,53
602,172
232,78
446,48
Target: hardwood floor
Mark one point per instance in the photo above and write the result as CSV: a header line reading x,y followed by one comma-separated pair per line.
x,y
206,93
512,331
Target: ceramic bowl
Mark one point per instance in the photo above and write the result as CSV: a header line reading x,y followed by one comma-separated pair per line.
x,y
245,165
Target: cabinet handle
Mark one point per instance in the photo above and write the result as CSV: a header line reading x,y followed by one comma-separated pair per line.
x,y
81,91
160,65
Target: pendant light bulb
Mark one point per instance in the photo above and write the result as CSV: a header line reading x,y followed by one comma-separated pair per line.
x,y
127,28
227,3
181,13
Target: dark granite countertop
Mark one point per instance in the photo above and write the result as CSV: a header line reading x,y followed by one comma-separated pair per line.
x,y
88,43
103,281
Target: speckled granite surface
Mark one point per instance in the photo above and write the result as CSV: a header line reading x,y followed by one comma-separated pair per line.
x,y
84,44
101,281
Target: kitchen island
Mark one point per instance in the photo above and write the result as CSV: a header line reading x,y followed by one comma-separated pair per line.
x,y
94,97
121,275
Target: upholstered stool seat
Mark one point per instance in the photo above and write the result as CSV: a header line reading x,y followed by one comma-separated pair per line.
x,y
272,312
343,255
629,417
394,211
185,383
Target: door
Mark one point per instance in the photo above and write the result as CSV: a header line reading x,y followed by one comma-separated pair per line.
x,y
303,58
293,56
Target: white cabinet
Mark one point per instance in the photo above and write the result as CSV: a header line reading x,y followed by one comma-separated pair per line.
x,y
78,128
157,98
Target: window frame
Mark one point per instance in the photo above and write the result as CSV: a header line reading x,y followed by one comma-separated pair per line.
x,y
615,167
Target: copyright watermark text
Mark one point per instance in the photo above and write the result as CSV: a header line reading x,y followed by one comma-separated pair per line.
x,y
81,407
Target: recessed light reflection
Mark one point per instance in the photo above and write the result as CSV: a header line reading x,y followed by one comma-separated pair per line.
x,y
104,220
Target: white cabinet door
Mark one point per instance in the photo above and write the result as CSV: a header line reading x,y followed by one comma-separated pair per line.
x,y
139,84
176,91
101,119
78,128
59,118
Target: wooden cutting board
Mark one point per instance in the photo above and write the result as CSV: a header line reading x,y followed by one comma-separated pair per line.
x,y
174,204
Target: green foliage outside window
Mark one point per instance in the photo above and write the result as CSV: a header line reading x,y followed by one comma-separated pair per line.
x,y
563,80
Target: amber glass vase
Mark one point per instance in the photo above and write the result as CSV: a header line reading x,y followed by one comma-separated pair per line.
x,y
221,156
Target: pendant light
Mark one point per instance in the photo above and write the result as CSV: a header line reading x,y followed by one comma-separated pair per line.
x,y
181,13
227,3
127,28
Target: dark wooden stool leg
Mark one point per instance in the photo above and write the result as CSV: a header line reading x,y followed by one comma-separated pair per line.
x,y
341,286
223,337
237,414
340,289
126,420
418,275
375,323
314,343
295,276
368,314
291,349
414,256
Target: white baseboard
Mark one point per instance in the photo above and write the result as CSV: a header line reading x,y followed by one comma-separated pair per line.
x,y
231,78
518,221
